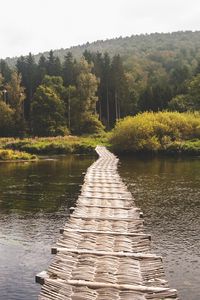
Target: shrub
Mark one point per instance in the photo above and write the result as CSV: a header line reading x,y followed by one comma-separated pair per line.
x,y
154,131
90,124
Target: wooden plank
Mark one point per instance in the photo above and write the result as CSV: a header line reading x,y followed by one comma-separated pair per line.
x,y
62,230
55,250
139,288
40,277
105,218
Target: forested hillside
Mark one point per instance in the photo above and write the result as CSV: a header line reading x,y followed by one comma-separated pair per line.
x,y
135,46
77,89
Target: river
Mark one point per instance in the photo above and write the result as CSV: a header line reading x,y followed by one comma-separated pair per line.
x,y
35,199
168,192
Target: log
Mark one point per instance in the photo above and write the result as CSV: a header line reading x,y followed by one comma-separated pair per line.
x,y
97,285
107,218
147,236
55,250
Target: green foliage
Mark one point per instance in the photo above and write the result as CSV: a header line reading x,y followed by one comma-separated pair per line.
x,y
87,84
194,92
154,131
80,101
90,124
27,67
191,99
55,83
179,103
5,70
191,147
55,145
140,73
6,119
48,113
15,98
15,155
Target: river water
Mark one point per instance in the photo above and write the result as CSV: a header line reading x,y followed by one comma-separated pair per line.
x,y
35,199
168,192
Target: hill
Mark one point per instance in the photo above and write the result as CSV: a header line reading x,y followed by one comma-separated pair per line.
x,y
156,44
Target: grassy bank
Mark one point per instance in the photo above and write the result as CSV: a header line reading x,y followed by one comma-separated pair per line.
x,y
55,145
162,132
13,155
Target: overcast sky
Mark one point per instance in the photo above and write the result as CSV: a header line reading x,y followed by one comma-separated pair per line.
x,y
40,25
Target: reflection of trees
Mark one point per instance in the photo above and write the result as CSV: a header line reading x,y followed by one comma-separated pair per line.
x,y
46,185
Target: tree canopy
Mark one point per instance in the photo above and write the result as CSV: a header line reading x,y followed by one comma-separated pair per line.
x,y
104,81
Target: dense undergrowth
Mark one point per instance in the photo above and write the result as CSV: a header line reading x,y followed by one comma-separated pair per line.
x,y
168,132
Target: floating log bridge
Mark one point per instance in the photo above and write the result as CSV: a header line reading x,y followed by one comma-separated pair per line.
x,y
103,253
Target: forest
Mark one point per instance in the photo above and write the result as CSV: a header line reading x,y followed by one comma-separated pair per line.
x,y
87,89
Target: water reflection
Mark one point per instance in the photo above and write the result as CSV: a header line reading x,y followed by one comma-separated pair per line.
x,y
168,191
34,202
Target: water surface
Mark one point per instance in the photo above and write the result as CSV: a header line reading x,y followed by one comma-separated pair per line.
x,y
34,202
168,192
35,198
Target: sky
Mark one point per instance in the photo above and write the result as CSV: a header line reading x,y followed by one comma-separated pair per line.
x,y
41,25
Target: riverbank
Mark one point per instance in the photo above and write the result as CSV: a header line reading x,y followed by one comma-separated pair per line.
x,y
51,146
180,148
31,148
170,133
14,155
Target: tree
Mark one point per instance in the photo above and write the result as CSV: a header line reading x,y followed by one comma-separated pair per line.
x,y
7,119
101,68
179,103
27,67
89,56
48,113
70,105
191,99
5,70
15,92
105,90
1,83
193,94
86,89
90,124
15,98
69,70
55,83
119,88
53,65
84,102
42,69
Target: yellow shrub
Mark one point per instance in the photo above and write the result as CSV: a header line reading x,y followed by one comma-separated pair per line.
x,y
151,131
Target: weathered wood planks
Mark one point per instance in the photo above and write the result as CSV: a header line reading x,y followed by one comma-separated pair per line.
x,y
103,253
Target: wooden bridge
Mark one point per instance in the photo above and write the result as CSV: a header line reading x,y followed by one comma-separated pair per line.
x,y
103,253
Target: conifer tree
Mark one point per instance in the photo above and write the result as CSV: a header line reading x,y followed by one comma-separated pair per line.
x,y
69,70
